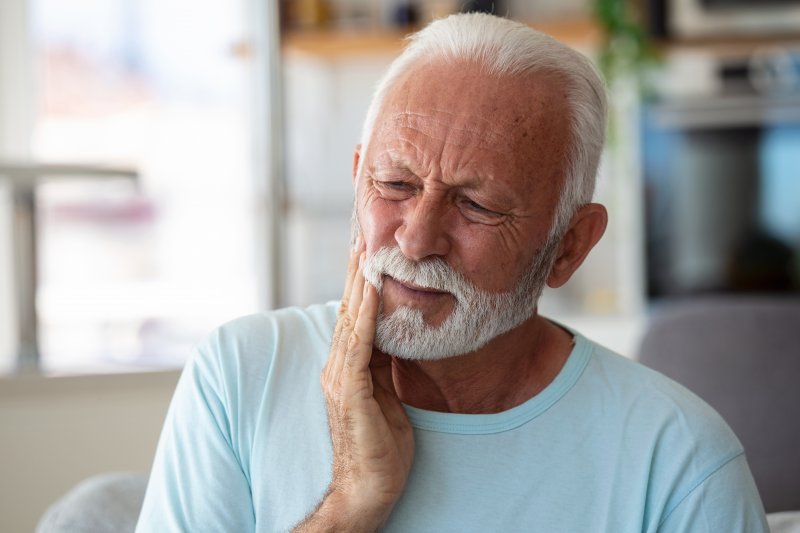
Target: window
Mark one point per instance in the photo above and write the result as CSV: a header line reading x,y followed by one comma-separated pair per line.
x,y
132,273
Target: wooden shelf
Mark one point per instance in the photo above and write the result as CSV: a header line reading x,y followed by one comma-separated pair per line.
x,y
335,43
332,44
729,47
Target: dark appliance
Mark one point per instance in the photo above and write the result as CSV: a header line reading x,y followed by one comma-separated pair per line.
x,y
722,182
698,19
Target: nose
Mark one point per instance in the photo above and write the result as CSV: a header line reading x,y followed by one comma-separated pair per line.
x,y
422,231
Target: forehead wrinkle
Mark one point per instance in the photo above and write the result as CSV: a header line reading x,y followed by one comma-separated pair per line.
x,y
459,136
399,159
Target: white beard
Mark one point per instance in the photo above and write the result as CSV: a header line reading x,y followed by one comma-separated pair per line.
x,y
477,317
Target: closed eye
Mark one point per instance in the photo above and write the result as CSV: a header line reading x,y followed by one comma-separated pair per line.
x,y
394,190
475,205
475,212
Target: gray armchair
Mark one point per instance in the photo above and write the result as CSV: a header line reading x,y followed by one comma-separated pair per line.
x,y
742,356
109,503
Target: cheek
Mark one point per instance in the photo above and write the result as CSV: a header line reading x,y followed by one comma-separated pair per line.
x,y
378,221
490,258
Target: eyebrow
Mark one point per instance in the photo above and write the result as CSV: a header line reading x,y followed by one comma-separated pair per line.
x,y
468,182
390,162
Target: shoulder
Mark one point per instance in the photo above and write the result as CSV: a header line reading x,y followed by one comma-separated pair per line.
x,y
672,439
248,365
243,353
676,436
646,394
261,333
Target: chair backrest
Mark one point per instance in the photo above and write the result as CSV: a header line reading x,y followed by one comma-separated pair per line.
x,y
108,503
742,356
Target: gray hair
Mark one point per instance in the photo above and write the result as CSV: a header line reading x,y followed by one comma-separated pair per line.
x,y
506,48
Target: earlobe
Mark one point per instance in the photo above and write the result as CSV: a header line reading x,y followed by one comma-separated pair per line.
x,y
356,159
561,261
586,228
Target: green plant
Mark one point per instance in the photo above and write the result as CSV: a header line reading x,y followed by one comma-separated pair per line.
x,y
627,47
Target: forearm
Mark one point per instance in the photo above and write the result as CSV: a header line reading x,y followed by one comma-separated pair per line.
x,y
335,513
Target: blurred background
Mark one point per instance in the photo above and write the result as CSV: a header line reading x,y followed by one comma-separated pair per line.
x,y
166,166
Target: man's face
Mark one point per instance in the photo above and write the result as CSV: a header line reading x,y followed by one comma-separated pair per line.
x,y
465,170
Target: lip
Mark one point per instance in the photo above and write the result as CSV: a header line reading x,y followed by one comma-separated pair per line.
x,y
416,288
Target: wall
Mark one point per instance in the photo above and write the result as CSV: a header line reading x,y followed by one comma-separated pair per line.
x,y
15,113
56,431
326,101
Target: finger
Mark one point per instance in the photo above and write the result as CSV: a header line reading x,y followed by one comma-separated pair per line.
x,y
391,407
352,269
357,291
385,393
358,244
359,349
348,320
380,365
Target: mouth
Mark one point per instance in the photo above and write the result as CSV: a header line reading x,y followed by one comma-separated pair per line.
x,y
412,287
432,302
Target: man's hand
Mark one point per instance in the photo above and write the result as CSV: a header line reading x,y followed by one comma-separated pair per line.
x,y
373,444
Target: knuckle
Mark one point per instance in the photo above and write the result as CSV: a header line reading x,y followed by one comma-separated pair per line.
x,y
353,341
351,357
338,339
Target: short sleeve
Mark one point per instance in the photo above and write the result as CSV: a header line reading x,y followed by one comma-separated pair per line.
x,y
197,482
727,500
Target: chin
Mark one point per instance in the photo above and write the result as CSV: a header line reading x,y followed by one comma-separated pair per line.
x,y
405,334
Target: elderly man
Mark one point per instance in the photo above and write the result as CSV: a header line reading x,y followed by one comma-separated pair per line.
x,y
447,403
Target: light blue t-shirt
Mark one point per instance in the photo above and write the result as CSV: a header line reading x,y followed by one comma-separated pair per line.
x,y
608,446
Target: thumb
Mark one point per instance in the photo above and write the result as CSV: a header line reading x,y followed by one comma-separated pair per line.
x,y
380,365
384,391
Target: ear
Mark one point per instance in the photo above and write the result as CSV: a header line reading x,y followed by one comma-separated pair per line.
x,y
356,159
587,226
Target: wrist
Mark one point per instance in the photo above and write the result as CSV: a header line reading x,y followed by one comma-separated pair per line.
x,y
356,511
340,512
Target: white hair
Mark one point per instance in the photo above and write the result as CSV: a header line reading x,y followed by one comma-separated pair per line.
x,y
502,47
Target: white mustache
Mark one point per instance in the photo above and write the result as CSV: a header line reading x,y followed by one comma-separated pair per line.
x,y
433,273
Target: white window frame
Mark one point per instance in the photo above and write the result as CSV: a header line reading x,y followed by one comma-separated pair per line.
x,y
16,112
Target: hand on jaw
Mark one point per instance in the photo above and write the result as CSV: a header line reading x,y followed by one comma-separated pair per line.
x,y
373,443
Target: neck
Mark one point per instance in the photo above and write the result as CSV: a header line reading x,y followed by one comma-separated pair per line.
x,y
508,371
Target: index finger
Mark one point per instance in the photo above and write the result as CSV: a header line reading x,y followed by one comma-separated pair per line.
x,y
344,304
352,268
359,349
